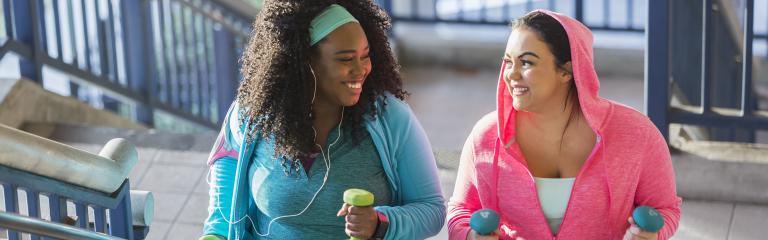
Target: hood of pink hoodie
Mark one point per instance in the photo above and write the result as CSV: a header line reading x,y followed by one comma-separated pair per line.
x,y
593,107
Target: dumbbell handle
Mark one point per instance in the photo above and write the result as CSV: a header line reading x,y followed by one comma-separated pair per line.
x,y
358,198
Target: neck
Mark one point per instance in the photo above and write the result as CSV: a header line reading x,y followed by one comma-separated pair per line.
x,y
552,117
326,115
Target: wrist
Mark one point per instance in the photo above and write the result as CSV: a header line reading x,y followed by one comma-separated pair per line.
x,y
382,224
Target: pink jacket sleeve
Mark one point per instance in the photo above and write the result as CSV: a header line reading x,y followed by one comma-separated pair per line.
x,y
656,186
465,199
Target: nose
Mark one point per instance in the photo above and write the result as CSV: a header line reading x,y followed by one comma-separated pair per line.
x,y
359,68
511,72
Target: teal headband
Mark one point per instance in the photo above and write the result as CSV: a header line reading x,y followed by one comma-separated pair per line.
x,y
330,19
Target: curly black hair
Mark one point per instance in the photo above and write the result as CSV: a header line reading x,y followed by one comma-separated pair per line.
x,y
276,92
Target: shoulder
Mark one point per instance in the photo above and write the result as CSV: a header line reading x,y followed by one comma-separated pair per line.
x,y
486,127
392,109
628,119
628,124
391,105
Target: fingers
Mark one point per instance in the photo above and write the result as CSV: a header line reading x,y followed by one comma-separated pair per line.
x,y
356,218
354,210
357,215
504,230
357,234
639,234
474,236
360,221
343,210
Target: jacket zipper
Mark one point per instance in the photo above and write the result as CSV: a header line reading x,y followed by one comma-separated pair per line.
x,y
581,171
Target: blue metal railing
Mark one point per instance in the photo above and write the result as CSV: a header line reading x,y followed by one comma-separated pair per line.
x,y
174,56
623,15
747,117
51,189
60,194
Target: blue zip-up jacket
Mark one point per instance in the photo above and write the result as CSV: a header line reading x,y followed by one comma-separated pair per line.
x,y
418,211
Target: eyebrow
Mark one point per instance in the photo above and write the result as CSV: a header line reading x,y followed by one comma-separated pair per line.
x,y
524,54
349,51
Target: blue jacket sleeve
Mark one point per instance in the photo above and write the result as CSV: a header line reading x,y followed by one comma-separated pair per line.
x,y
221,178
422,212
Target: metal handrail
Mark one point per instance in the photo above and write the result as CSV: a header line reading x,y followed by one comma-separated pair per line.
x,y
49,229
105,172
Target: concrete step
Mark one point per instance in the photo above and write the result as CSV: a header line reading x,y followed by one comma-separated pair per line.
x,y
721,171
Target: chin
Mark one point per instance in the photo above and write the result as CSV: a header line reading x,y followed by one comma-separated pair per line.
x,y
350,102
520,107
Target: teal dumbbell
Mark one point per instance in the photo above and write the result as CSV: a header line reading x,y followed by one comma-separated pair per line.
x,y
484,221
648,219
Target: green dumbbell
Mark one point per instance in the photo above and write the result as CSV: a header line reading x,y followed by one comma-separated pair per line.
x,y
358,198
211,237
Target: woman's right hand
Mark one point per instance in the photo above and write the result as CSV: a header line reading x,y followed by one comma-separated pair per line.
x,y
475,236
472,235
211,237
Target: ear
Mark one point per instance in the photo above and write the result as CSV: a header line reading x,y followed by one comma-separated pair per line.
x,y
566,72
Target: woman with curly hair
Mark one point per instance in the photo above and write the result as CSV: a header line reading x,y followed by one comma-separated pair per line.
x,y
320,110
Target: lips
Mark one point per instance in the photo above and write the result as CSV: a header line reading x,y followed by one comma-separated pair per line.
x,y
519,90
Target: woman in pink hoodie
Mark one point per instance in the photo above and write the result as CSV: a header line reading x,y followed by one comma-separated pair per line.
x,y
555,160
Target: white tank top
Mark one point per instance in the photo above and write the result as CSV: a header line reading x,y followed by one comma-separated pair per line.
x,y
554,194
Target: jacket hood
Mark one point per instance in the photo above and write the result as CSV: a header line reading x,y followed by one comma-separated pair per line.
x,y
592,106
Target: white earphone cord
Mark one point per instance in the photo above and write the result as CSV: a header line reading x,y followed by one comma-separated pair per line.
x,y
326,160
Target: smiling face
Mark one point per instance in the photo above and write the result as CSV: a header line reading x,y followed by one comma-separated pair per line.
x,y
532,77
341,64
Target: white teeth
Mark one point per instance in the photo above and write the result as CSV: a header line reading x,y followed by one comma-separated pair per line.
x,y
519,90
354,85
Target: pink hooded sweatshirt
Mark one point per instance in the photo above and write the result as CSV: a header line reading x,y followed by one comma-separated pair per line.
x,y
629,166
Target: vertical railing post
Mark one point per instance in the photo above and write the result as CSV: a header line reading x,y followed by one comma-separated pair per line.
x,y
27,25
706,56
138,55
57,207
87,61
81,211
224,50
99,221
11,205
8,18
579,10
33,207
630,14
57,26
746,75
528,6
606,13
120,221
657,64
